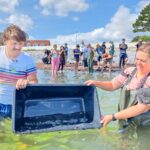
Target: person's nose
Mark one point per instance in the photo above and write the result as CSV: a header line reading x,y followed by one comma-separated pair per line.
x,y
18,46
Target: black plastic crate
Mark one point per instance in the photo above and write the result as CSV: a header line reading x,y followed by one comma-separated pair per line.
x,y
42,108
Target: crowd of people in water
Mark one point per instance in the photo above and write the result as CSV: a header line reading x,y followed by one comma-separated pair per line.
x,y
18,69
85,54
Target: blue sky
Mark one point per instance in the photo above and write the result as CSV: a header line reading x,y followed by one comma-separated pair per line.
x,y
70,20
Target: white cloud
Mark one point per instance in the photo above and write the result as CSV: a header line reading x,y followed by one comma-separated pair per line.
x,y
78,37
61,7
120,26
8,5
24,21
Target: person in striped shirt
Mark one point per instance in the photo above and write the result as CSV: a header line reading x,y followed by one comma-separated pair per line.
x,y
17,69
134,83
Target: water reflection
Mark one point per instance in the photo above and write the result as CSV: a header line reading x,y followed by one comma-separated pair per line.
x,y
97,139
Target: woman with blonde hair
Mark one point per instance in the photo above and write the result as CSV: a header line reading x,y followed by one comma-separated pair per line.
x,y
134,82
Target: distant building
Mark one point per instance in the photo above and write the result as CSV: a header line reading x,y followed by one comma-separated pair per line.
x,y
37,43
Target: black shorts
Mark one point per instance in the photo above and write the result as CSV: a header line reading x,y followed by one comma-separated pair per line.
x,y
76,59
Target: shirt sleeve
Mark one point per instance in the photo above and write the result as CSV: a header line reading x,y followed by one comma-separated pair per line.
x,y
120,80
143,96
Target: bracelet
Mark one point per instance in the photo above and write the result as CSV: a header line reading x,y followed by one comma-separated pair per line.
x,y
113,117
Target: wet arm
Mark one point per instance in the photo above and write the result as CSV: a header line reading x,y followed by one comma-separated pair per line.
x,y
132,111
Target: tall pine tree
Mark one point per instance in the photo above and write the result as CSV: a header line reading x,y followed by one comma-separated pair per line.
x,y
142,24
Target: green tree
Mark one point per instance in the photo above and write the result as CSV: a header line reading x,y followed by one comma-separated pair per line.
x,y
143,38
1,41
142,23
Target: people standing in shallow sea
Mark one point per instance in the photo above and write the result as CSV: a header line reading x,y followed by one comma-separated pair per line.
x,y
123,54
55,61
108,57
85,57
17,69
90,58
62,59
134,82
76,53
99,53
103,48
66,53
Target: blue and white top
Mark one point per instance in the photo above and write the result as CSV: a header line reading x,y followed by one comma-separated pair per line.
x,y
123,48
11,71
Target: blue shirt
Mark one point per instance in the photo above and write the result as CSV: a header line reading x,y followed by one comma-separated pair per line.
x,y
76,53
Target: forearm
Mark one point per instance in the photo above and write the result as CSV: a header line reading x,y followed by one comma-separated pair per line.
x,y
31,79
106,85
132,111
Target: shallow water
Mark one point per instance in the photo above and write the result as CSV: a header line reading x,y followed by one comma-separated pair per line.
x,y
98,139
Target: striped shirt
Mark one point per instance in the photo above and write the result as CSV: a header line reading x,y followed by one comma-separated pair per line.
x,y
11,71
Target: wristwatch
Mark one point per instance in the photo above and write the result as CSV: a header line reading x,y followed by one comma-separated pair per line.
x,y
113,117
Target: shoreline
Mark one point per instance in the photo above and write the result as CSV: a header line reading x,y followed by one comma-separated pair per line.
x,y
70,66
131,45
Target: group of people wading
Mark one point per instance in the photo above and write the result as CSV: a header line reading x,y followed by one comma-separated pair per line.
x,y
18,69
86,56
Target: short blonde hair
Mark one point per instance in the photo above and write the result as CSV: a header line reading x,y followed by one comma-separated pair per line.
x,y
145,47
55,46
13,32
